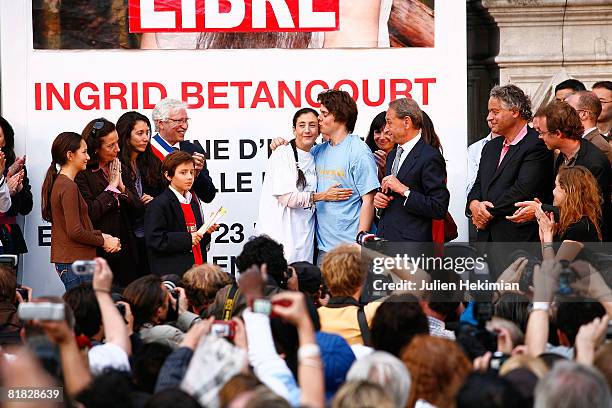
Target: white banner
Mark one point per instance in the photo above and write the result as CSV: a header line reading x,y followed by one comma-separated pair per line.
x,y
240,100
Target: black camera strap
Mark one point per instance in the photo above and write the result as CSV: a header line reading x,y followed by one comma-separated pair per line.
x,y
338,302
228,306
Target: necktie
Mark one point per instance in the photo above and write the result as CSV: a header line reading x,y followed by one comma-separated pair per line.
x,y
396,161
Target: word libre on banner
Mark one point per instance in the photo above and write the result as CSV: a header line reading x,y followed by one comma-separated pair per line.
x,y
233,15
51,96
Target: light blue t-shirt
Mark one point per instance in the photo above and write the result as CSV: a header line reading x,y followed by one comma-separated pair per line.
x,y
350,164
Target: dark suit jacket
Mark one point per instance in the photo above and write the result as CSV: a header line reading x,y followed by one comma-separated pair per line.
x,y
592,158
424,172
203,185
168,242
525,173
114,217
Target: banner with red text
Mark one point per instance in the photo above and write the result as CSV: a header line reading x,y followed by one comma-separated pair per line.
x,y
238,101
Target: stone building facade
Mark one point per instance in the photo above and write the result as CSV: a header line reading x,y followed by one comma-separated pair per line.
x,y
534,44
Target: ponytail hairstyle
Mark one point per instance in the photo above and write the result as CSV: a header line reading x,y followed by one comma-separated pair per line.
x,y
64,142
301,179
93,133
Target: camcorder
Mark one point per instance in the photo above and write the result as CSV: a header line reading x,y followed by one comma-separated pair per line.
x,y
477,340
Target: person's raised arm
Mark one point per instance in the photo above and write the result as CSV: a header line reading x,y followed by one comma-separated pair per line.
x,y
115,330
546,283
291,306
76,374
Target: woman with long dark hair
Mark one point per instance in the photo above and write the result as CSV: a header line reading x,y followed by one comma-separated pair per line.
x,y
72,233
112,201
134,130
379,142
16,176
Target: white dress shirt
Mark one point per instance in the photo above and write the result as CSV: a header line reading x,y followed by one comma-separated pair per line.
x,y
474,153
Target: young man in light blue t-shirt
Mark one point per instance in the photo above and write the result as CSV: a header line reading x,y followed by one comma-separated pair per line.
x,y
343,160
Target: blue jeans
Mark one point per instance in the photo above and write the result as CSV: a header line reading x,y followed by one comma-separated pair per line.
x,y
68,277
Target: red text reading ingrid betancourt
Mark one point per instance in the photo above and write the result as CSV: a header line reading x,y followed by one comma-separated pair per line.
x,y
233,15
51,96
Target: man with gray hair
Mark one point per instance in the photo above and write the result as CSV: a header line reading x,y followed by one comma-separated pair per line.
x,y
515,167
414,192
569,385
171,124
588,106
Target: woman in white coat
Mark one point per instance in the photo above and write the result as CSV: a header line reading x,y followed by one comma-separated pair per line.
x,y
288,194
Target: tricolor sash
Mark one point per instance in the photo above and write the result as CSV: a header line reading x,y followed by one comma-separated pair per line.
x,y
160,147
192,227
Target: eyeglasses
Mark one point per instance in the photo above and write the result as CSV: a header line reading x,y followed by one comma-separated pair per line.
x,y
181,121
545,132
98,125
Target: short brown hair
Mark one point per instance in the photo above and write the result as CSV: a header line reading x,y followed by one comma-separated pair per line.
x,y
175,159
561,116
202,282
145,295
8,284
342,270
588,101
341,105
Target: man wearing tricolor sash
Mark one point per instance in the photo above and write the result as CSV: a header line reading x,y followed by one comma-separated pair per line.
x,y
171,123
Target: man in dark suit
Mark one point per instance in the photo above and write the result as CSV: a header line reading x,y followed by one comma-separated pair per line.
x,y
414,190
171,123
515,167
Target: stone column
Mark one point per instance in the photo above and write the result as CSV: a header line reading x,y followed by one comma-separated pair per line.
x,y
543,42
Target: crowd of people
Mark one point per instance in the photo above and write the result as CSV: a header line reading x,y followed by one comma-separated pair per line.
x,y
146,322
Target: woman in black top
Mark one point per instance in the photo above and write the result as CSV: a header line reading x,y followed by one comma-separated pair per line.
x,y
577,198
19,188
134,130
